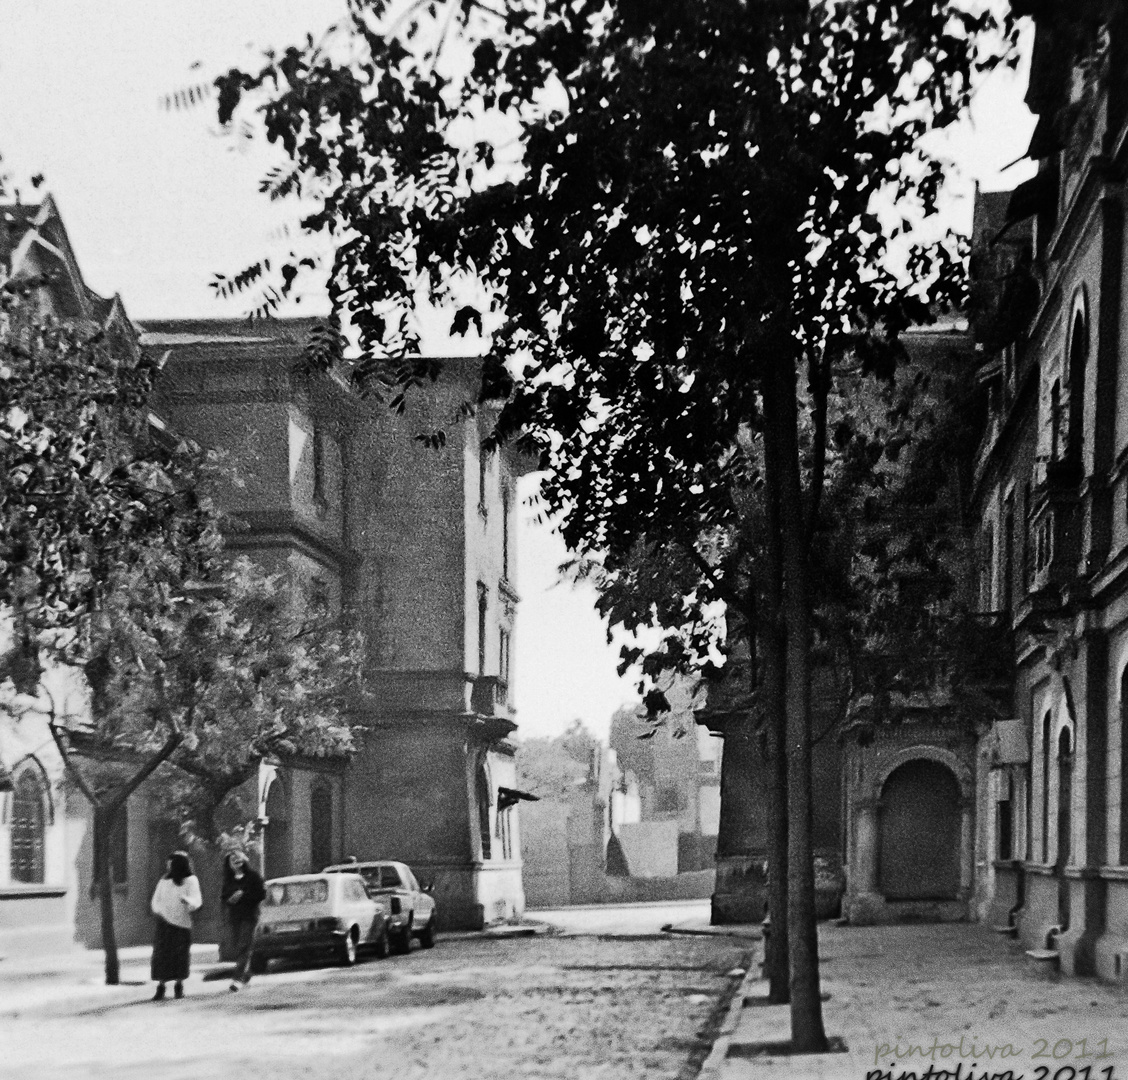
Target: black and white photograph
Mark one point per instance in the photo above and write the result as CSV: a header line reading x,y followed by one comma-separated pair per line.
x,y
564,540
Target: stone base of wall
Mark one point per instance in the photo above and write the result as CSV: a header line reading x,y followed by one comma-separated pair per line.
x,y
1110,951
741,894
871,909
473,896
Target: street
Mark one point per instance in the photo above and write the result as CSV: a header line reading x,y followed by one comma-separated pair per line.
x,y
473,1007
604,994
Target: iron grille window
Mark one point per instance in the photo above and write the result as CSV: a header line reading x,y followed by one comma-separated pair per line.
x,y
28,828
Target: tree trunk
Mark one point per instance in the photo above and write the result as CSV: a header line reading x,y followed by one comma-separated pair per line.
x,y
103,882
777,952
782,478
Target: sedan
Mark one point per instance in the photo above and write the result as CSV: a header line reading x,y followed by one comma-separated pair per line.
x,y
317,915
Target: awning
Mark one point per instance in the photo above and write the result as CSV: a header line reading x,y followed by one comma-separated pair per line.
x,y
1046,139
1034,196
507,797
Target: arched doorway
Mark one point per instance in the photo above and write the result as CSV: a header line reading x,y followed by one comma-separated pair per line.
x,y
919,855
277,860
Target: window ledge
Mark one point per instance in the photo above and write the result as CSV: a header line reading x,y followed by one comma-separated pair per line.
x,y
31,892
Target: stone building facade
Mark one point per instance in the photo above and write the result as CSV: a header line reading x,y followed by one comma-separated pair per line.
x,y
338,493
1051,492
418,547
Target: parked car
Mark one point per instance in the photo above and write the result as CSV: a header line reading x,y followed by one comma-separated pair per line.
x,y
311,915
410,911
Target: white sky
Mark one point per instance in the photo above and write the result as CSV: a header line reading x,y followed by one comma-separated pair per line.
x,y
156,203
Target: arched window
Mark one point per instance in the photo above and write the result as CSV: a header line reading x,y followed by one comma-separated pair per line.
x,y
276,851
482,784
1065,794
28,829
1124,767
1078,360
1046,721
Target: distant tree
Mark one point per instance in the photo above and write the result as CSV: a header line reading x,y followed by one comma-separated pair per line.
x,y
552,768
579,742
548,770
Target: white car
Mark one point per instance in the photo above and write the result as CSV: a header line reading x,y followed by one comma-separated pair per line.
x,y
409,910
311,914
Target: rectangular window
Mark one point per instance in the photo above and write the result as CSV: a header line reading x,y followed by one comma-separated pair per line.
x,y
987,582
505,535
1004,830
483,478
483,608
1008,557
318,464
503,655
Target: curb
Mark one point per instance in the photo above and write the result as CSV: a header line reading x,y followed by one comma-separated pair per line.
x,y
751,935
713,1066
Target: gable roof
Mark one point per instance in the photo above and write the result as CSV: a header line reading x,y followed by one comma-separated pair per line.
x,y
34,241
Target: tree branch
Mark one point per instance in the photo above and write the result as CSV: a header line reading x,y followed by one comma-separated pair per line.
x,y
728,594
150,767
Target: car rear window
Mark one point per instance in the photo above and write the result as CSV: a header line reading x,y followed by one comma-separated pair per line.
x,y
279,893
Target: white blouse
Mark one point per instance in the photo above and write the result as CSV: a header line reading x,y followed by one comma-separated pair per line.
x,y
175,903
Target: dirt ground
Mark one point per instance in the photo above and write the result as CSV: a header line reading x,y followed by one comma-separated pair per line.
x,y
544,1007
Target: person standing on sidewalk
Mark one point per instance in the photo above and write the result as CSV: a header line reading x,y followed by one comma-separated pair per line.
x,y
243,891
176,896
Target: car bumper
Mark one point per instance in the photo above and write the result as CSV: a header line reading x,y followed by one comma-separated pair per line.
x,y
294,942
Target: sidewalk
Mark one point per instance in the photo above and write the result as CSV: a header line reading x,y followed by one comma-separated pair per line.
x,y
28,982
907,998
77,975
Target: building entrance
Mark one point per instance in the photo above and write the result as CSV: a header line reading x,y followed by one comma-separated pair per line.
x,y
920,833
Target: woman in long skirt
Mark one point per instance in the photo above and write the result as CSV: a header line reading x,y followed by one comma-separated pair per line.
x,y
176,896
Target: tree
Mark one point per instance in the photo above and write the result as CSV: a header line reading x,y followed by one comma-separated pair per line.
x,y
191,668
249,678
91,494
553,768
683,246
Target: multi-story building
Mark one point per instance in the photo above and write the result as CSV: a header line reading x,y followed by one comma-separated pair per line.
x,y
1050,499
417,545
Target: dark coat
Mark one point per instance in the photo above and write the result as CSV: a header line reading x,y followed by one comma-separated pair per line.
x,y
246,908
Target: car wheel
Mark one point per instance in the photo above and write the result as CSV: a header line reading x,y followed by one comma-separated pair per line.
x,y
347,954
259,964
401,943
427,937
381,946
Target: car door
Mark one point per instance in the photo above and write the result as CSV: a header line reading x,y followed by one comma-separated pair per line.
x,y
424,906
364,910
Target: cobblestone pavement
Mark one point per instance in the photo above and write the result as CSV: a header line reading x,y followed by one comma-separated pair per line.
x,y
906,998
534,1007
